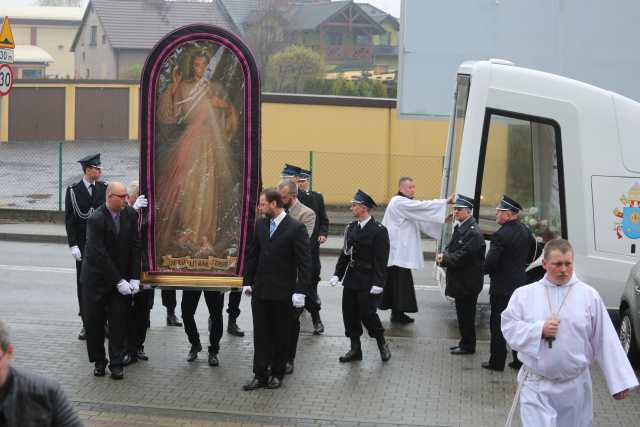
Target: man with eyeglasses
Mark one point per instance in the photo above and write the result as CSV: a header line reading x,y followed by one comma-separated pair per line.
x,y
27,399
110,276
81,199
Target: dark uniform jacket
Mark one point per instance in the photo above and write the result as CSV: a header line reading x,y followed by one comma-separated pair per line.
x,y
463,259
508,257
77,206
109,256
315,201
31,400
279,266
363,261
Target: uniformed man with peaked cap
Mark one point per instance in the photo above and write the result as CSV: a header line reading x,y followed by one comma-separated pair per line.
x,y
81,199
505,264
362,267
463,258
315,201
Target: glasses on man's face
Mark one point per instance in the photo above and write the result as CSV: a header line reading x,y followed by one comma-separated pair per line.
x,y
122,196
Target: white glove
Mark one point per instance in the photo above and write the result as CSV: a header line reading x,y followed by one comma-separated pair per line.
x,y
135,286
334,280
141,202
298,300
75,251
375,290
124,287
147,287
247,290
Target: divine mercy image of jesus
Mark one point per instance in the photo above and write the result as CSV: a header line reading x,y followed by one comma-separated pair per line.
x,y
199,162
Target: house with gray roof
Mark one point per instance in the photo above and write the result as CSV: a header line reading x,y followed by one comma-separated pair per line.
x,y
116,36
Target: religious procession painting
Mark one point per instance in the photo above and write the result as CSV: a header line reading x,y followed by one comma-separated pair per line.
x,y
200,157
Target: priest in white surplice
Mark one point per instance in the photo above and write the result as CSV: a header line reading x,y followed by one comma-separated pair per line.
x,y
560,326
405,218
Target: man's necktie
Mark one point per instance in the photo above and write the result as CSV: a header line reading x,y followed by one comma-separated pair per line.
x,y
272,227
92,190
456,227
116,220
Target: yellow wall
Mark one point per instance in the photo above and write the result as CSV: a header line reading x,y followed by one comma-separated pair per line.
x,y
56,41
353,147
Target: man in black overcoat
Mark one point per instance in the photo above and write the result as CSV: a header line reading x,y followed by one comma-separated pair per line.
x,y
463,258
110,276
277,274
80,200
505,264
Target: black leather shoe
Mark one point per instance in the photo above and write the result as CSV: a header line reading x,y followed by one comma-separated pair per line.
x,y
255,384
234,330
141,355
172,320
128,359
460,350
351,356
401,318
515,365
318,328
193,353
489,366
288,368
82,336
274,382
385,353
213,359
99,369
453,347
117,372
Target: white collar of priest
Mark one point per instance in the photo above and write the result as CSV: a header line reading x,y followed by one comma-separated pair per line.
x,y
546,282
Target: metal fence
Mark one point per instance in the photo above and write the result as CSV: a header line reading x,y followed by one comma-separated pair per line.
x,y
34,175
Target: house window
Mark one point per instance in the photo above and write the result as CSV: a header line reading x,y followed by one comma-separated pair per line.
x,y
104,39
385,39
31,74
334,38
94,36
363,39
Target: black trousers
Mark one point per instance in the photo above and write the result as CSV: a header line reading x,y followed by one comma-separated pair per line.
x,y
215,302
169,299
466,312
233,306
79,290
114,308
498,343
271,324
139,314
359,308
312,306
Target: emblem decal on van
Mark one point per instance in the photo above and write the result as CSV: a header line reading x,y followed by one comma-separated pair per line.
x,y
630,214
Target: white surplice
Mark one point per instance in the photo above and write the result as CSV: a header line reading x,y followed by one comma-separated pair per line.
x,y
556,381
404,219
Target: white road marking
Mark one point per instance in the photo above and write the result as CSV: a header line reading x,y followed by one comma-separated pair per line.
x,y
433,288
37,269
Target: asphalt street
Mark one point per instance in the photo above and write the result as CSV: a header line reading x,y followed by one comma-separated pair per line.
x,y
421,385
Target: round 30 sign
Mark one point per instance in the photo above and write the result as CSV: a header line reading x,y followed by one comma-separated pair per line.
x,y
6,79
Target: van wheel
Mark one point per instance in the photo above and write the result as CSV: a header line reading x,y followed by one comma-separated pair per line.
x,y
628,339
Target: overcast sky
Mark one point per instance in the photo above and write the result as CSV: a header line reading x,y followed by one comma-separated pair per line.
x,y
389,6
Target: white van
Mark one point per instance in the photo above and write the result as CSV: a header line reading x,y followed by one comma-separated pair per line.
x,y
567,151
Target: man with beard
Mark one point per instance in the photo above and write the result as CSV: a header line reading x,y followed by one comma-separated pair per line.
x,y
405,218
276,274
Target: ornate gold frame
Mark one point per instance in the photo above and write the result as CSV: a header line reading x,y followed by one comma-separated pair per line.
x,y
191,281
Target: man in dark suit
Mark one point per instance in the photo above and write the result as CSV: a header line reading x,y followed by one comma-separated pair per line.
x,y
362,265
463,258
315,201
110,276
277,274
505,263
80,200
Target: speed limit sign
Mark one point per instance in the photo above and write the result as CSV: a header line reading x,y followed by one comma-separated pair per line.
x,y
6,79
